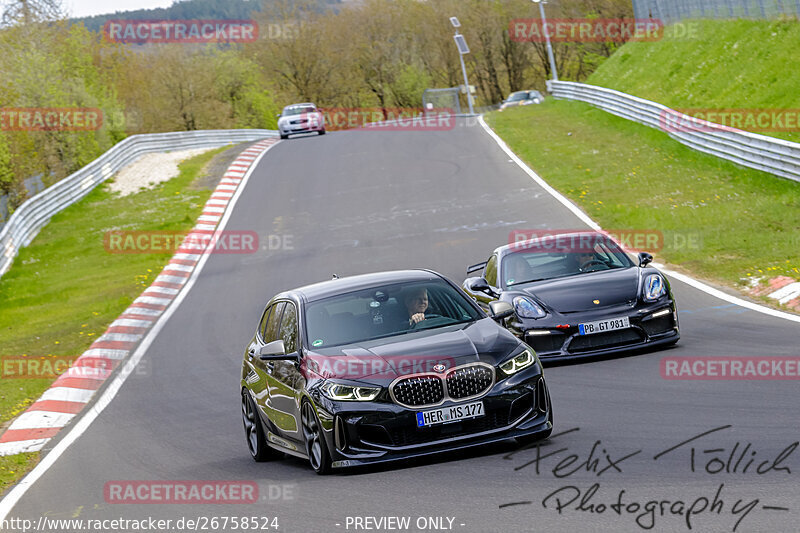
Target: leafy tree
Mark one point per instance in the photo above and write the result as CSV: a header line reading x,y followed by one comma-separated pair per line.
x,y
6,173
28,12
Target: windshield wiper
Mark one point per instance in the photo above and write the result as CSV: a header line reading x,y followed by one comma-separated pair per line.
x,y
526,281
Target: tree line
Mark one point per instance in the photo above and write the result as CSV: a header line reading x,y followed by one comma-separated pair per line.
x,y
366,53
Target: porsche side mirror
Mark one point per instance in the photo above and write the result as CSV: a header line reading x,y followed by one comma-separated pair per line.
x,y
645,258
480,285
499,310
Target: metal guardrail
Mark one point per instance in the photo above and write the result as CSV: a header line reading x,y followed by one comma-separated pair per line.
x,y
35,213
769,154
670,11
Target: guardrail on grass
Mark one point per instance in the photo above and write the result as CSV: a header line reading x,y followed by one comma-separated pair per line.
x,y
761,152
23,225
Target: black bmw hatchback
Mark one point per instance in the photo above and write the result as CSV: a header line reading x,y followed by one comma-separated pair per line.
x,y
386,366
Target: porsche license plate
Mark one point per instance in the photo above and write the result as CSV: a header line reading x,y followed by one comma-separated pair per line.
x,y
601,326
453,413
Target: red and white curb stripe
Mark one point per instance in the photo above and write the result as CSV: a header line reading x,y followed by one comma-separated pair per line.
x,y
70,393
784,289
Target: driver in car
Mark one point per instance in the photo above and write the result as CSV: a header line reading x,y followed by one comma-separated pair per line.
x,y
588,262
416,302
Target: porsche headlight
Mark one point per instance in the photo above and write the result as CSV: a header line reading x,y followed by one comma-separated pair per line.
x,y
527,308
523,360
351,393
654,287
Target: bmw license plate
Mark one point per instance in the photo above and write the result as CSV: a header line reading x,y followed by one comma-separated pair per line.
x,y
601,326
449,414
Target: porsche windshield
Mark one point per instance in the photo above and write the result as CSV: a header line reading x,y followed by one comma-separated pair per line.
x,y
384,311
537,262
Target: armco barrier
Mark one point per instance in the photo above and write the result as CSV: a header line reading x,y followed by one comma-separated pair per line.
x,y
34,213
769,154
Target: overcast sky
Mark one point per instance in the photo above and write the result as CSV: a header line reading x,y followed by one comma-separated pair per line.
x,y
85,8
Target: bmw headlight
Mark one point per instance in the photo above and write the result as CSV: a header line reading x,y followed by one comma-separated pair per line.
x,y
527,308
654,287
351,393
523,360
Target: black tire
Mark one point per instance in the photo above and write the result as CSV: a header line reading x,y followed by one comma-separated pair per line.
x,y
316,449
322,132
284,136
254,431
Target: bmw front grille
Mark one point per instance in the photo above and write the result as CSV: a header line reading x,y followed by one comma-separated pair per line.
x,y
460,383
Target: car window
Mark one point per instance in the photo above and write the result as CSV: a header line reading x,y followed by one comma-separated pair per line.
x,y
537,264
271,333
614,257
385,310
490,271
262,326
298,110
288,329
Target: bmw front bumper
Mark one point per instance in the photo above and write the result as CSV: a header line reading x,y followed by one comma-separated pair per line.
x,y
361,433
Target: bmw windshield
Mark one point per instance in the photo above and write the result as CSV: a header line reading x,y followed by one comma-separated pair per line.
x,y
384,311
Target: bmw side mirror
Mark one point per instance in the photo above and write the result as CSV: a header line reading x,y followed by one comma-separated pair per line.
x,y
276,351
499,310
645,258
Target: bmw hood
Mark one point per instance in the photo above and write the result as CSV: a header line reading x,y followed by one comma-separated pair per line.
x,y
578,293
381,361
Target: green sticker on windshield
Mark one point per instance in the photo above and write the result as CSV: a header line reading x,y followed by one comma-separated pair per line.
x,y
317,342
511,281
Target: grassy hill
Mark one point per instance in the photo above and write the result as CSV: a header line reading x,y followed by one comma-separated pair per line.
x,y
724,64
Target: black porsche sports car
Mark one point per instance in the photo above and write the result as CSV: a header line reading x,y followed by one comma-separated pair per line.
x,y
386,366
578,295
